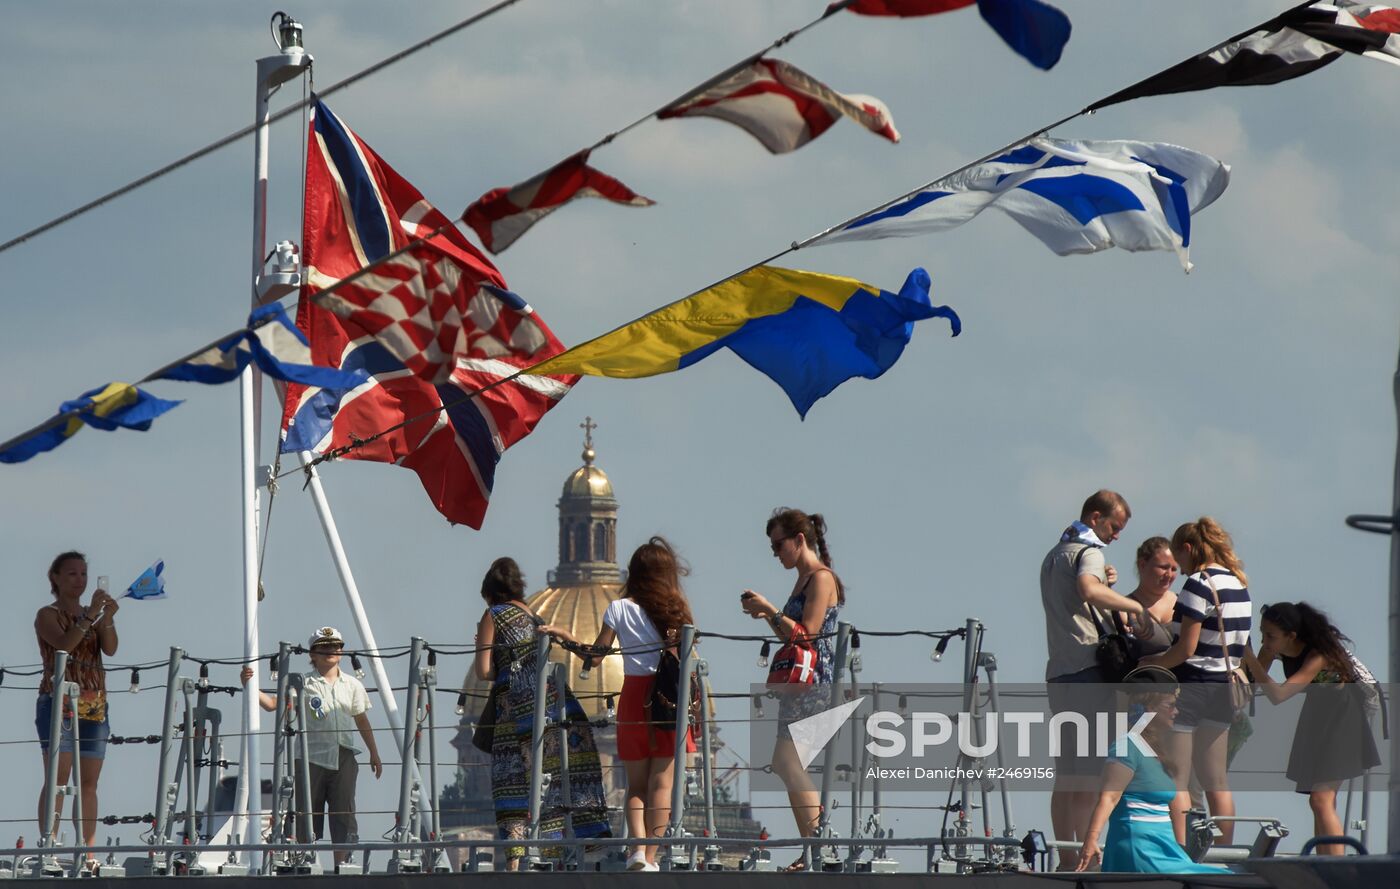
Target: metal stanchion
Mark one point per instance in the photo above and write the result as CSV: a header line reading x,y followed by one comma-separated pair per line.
x,y
283,795
838,675
438,857
297,683
542,643
48,812
73,691
989,663
560,723
164,777
401,861
707,771
686,656
853,851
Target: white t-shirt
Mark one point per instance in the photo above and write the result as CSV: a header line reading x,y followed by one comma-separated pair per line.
x,y
636,636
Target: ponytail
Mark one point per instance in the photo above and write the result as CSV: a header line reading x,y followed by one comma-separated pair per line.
x,y
1211,544
813,527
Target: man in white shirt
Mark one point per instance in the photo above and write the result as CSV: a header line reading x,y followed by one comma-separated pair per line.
x,y
336,708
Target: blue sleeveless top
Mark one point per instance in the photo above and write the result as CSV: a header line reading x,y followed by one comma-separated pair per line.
x,y
826,646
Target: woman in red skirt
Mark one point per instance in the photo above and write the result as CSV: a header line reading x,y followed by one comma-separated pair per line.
x,y
647,619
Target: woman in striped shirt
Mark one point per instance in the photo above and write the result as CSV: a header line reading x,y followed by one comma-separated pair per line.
x,y
1213,615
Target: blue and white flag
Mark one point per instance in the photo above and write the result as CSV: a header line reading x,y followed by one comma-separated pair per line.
x,y
150,585
1076,197
274,344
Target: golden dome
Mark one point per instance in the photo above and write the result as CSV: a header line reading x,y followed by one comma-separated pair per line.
x,y
588,480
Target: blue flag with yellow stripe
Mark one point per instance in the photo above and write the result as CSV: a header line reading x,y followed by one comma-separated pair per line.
x,y
111,407
808,332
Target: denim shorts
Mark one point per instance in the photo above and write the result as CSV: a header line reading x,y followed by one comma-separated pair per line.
x,y
92,736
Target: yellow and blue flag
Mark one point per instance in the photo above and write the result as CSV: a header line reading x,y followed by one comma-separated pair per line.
x,y
116,405
806,331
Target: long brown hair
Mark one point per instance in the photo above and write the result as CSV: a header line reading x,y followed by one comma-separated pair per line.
x,y
792,522
1209,544
654,582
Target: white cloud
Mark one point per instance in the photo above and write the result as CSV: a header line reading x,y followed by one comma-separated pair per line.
x,y
1151,458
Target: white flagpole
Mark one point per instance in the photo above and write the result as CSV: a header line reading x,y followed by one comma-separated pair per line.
x,y
357,611
272,71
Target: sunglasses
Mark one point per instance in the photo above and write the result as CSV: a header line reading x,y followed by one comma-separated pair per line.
x,y
778,544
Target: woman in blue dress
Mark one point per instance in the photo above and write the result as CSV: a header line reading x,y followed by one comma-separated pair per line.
x,y
1136,796
506,656
798,541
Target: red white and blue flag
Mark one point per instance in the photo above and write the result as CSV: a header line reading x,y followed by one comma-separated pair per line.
x,y
1037,31
441,305
502,215
782,106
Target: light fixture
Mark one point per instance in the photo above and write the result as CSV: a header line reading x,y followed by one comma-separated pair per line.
x,y
286,31
903,704
758,706
287,258
135,681
763,654
586,670
462,704
203,676
272,665
941,647
612,709
355,664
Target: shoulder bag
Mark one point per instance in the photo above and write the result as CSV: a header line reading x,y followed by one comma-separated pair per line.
x,y
1241,693
795,662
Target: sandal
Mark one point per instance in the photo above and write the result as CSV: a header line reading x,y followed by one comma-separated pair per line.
x,y
797,867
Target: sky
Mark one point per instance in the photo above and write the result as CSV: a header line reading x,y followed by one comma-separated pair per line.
x,y
1255,390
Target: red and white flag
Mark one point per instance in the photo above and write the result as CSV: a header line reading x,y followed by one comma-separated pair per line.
x,y
441,306
502,215
782,106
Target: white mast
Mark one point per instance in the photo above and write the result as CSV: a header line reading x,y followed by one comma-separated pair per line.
x,y
272,71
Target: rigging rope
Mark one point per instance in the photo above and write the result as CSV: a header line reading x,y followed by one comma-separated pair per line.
x,y
248,130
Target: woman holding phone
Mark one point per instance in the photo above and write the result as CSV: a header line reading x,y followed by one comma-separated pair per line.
x,y
798,542
86,632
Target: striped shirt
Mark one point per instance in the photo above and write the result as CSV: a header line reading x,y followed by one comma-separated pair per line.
x,y
1197,603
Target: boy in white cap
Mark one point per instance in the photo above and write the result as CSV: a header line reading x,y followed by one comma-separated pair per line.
x,y
336,707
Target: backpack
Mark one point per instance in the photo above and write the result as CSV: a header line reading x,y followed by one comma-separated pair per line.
x,y
665,691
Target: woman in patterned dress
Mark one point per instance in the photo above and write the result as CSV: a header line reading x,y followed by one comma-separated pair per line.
x,y
798,541
506,655
86,633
